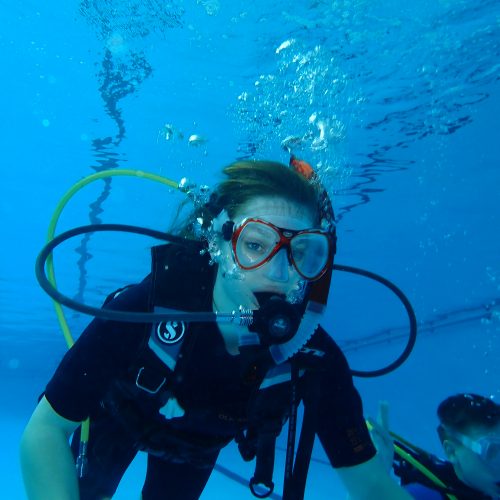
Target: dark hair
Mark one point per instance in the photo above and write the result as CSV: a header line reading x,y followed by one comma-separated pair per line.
x,y
462,412
250,179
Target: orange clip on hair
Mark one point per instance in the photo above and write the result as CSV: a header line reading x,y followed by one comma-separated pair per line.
x,y
302,167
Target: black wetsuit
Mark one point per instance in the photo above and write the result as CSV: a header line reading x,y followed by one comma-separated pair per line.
x,y
213,392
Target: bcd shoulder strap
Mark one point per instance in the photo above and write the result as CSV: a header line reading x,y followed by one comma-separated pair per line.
x,y
182,280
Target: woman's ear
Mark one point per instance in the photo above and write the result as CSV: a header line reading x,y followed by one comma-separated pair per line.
x,y
219,221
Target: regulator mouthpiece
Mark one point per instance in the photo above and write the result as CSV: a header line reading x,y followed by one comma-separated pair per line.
x,y
277,321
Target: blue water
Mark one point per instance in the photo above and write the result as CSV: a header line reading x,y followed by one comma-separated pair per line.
x,y
397,106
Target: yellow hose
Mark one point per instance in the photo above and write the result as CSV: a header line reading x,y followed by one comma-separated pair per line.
x,y
414,462
51,232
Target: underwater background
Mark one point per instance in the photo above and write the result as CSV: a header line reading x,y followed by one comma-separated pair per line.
x,y
396,106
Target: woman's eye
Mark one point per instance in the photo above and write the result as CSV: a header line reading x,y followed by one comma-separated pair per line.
x,y
254,246
299,253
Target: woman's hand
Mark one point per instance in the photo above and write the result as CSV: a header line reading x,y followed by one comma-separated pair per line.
x,y
381,437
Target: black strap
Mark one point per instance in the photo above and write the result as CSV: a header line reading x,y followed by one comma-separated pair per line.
x,y
288,488
303,457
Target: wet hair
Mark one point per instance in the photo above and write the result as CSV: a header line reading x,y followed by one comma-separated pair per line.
x,y
246,180
463,412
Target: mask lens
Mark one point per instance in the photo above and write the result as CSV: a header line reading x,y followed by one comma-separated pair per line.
x,y
310,253
255,244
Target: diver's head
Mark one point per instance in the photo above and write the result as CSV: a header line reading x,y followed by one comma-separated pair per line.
x,y
270,230
247,180
469,431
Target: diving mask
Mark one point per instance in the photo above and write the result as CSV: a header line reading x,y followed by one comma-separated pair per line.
x,y
486,447
255,242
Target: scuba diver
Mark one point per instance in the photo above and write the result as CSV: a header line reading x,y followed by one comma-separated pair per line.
x,y
180,391
469,431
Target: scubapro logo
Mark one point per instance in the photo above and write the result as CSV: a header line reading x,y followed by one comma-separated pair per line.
x,y
170,332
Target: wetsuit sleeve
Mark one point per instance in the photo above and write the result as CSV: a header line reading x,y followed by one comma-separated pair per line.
x,y
339,420
102,352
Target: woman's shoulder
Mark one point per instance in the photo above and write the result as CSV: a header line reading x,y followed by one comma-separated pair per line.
x,y
322,350
118,336
132,297
323,341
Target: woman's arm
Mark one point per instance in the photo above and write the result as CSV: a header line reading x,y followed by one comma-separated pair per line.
x,y
369,481
342,429
47,463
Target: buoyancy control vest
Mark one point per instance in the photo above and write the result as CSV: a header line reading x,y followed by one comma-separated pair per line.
x,y
182,279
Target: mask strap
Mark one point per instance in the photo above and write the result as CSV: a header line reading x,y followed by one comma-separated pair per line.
x,y
227,230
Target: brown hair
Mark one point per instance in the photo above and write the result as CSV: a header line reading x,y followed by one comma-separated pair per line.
x,y
247,180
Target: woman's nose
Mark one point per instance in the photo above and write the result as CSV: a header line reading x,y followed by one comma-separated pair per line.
x,y
278,267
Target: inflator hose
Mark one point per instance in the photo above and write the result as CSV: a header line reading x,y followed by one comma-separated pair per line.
x,y
136,317
411,317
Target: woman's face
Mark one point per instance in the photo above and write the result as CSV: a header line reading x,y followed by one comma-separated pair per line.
x,y
236,286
